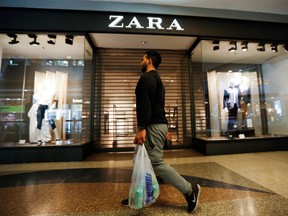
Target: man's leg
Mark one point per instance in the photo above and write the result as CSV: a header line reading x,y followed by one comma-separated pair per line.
x,y
156,136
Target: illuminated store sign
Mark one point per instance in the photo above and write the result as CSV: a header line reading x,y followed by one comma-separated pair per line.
x,y
77,101
117,21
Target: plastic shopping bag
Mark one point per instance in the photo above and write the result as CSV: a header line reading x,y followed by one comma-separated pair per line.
x,y
144,188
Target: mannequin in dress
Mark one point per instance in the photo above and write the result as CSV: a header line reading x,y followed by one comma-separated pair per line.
x,y
231,104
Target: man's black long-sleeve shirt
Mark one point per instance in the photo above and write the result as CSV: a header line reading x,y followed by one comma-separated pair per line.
x,y
150,100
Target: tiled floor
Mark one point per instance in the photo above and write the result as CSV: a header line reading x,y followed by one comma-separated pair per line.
x,y
238,184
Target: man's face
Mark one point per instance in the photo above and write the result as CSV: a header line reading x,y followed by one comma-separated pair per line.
x,y
144,63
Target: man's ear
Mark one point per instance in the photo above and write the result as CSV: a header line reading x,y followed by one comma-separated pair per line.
x,y
150,61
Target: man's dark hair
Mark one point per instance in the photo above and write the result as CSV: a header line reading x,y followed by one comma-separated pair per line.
x,y
155,56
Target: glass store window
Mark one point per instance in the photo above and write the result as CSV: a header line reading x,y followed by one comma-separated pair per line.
x,y
41,89
240,89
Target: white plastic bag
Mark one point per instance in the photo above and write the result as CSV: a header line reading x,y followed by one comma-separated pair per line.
x,y
144,188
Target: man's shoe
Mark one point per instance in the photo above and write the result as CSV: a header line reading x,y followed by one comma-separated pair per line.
x,y
192,199
125,202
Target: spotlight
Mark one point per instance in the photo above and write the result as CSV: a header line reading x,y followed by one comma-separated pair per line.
x,y
216,43
274,47
233,49
34,42
286,47
261,47
53,39
69,39
244,46
13,41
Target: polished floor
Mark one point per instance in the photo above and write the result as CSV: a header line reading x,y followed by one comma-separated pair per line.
x,y
237,184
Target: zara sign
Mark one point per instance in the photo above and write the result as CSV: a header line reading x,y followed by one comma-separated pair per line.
x,y
117,21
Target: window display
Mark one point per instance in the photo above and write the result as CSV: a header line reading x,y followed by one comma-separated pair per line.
x,y
243,92
231,104
38,89
236,102
49,94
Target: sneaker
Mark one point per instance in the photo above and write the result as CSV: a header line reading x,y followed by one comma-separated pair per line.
x,y
192,199
125,202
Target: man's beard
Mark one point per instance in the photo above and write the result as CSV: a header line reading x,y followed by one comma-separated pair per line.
x,y
144,68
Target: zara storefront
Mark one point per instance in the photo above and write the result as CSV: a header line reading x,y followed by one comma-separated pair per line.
x,y
224,78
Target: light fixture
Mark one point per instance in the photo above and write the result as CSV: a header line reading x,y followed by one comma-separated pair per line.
x,y
244,45
261,47
52,39
13,41
216,45
274,47
34,42
286,47
234,46
69,39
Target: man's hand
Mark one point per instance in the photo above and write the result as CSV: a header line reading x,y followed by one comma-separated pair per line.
x,y
140,137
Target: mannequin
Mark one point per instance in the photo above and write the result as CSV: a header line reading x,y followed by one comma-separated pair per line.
x,y
231,104
46,98
245,99
45,133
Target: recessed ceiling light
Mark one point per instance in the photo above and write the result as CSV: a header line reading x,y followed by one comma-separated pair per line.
x,y
69,39
261,47
234,46
274,47
244,46
52,40
34,42
216,45
14,40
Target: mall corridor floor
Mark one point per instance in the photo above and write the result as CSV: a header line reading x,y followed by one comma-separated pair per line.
x,y
237,184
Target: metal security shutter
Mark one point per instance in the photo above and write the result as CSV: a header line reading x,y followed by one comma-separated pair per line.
x,y
117,73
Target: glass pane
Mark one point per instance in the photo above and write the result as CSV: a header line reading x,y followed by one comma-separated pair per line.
x,y
243,90
41,88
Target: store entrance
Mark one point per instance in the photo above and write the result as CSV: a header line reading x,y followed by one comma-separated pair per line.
x,y
118,68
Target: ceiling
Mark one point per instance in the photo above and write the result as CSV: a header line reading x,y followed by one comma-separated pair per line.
x,y
61,50
23,49
139,41
263,6
279,7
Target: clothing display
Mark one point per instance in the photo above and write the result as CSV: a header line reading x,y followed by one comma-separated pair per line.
x,y
45,133
231,101
49,101
44,98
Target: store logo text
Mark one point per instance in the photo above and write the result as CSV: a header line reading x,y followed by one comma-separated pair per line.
x,y
153,23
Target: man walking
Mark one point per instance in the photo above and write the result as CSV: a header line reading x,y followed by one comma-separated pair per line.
x,y
152,128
